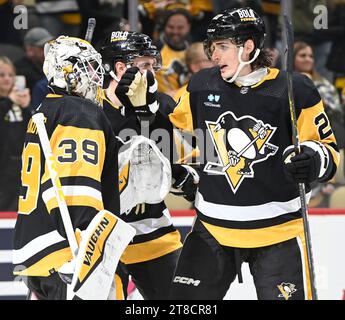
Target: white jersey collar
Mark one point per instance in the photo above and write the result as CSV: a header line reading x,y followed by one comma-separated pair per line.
x,y
251,78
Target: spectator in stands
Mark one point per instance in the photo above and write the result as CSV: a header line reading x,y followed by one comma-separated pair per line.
x,y
173,43
108,15
31,65
8,34
196,60
305,30
336,33
39,92
202,12
304,63
149,11
59,17
271,10
14,116
221,5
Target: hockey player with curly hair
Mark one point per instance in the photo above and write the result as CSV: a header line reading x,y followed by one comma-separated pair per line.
x,y
247,202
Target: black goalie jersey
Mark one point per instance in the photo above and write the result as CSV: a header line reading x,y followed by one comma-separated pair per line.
x,y
242,133
84,147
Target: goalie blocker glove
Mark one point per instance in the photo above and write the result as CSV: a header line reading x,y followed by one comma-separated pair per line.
x,y
311,164
185,181
138,92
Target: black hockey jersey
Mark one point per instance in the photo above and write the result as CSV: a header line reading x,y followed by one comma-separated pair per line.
x,y
156,235
85,150
247,201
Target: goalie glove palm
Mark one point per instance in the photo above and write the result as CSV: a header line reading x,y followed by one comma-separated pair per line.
x,y
138,92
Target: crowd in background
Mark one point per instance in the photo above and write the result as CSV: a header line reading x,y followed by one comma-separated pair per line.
x,y
178,29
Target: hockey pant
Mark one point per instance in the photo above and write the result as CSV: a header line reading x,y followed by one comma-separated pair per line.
x,y
206,269
153,277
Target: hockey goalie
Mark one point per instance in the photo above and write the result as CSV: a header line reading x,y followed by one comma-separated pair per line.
x,y
68,239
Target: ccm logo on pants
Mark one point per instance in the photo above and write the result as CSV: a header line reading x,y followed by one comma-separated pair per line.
x,y
187,281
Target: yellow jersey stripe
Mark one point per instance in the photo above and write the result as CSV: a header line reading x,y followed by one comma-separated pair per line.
x,y
254,238
272,74
309,130
152,249
76,201
52,261
335,154
119,288
182,116
104,97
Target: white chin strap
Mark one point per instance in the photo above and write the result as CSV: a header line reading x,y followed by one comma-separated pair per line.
x,y
242,63
113,75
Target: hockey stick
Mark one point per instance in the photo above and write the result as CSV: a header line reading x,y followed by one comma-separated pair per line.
x,y
102,243
91,25
243,151
38,119
295,139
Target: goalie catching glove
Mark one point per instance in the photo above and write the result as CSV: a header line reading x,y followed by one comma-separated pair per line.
x,y
185,181
311,164
138,92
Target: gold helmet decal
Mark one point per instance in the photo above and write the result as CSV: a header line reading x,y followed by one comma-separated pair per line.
x,y
246,14
239,143
119,36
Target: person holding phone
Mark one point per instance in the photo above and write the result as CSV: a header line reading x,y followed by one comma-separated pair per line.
x,y
14,116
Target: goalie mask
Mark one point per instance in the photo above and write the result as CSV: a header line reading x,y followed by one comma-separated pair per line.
x,y
73,65
125,46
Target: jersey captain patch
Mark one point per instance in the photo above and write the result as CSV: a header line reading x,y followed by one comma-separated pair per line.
x,y
239,143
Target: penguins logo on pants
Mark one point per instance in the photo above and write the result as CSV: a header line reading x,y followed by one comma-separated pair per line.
x,y
239,143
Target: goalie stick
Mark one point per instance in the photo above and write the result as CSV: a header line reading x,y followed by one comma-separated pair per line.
x,y
38,119
91,25
287,27
94,272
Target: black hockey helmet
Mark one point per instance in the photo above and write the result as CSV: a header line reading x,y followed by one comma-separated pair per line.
x,y
238,25
125,46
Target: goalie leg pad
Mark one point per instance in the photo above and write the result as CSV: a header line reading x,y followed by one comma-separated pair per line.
x,y
102,245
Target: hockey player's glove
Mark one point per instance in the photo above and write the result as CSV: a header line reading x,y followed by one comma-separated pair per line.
x,y
138,92
185,181
307,166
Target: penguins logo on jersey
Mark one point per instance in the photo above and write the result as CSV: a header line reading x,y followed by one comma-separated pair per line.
x,y
286,289
239,143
